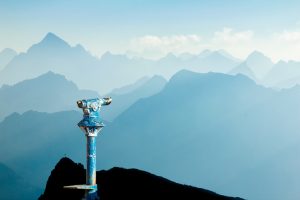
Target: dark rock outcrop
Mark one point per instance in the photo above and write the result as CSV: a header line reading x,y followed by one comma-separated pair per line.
x,y
119,183
66,172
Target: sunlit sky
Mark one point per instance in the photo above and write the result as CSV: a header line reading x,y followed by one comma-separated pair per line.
x,y
155,27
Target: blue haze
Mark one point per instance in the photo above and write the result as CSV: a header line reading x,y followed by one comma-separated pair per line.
x,y
49,92
219,132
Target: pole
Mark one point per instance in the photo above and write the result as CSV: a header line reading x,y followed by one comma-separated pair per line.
x,y
91,125
91,164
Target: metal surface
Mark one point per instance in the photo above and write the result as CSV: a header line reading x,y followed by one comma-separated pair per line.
x,y
82,187
91,160
91,125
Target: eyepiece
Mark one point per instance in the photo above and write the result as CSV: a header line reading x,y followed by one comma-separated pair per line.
x,y
81,104
107,100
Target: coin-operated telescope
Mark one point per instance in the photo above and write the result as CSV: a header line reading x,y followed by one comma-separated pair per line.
x,y
91,125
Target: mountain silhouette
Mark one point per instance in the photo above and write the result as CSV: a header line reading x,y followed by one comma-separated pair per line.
x,y
117,70
49,44
209,130
119,183
228,55
256,66
107,73
200,122
217,62
206,61
6,55
88,72
50,54
131,87
32,143
283,72
14,187
244,70
49,92
124,99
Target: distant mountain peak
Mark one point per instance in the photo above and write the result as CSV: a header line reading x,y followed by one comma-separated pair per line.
x,y
184,77
157,77
259,64
51,36
228,55
49,77
8,51
80,47
50,73
186,56
257,55
219,54
243,69
50,43
115,57
183,74
204,53
107,54
6,55
129,88
170,55
216,53
53,40
281,62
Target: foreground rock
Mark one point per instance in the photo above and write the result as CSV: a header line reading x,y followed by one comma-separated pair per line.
x,y
119,183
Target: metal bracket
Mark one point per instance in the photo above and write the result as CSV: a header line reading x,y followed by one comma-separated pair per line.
x,y
82,187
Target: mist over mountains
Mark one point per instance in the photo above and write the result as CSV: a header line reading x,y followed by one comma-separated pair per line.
x,y
50,54
14,187
284,74
52,92
214,136
6,55
49,92
114,71
125,97
32,143
216,131
217,124
256,66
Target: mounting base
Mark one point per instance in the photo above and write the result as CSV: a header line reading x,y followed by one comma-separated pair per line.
x,y
82,187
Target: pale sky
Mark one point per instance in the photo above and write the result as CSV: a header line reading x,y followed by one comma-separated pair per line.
x,y
155,27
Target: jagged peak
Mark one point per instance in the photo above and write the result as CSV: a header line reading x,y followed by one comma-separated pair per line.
x,y
51,74
205,52
48,76
51,36
184,76
228,55
107,54
257,55
52,39
168,56
8,51
158,77
80,47
186,55
65,161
